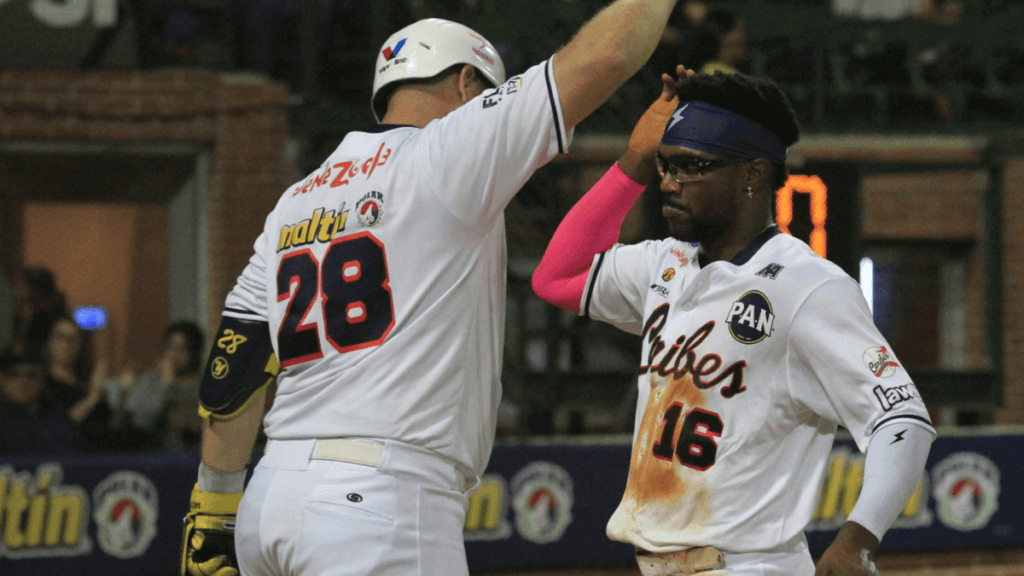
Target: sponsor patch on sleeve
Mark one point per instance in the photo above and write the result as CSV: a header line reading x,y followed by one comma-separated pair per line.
x,y
880,361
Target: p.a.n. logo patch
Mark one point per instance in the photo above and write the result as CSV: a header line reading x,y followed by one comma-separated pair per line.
x,y
751,319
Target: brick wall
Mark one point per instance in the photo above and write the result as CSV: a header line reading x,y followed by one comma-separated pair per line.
x,y
929,206
1013,285
945,205
940,207
242,118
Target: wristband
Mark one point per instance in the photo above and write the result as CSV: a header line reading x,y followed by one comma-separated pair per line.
x,y
211,480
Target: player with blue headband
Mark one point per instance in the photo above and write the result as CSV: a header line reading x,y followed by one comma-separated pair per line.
x,y
754,348
722,155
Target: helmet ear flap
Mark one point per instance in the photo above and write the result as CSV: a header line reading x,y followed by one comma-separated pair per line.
x,y
427,48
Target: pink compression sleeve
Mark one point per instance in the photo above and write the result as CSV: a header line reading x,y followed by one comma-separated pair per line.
x,y
591,227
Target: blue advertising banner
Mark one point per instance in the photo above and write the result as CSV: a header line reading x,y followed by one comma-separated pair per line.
x,y
93,514
540,505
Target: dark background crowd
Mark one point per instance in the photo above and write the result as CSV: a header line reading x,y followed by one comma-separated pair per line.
x,y
940,63
55,397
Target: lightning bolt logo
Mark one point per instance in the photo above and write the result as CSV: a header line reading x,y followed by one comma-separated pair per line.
x,y
677,117
899,436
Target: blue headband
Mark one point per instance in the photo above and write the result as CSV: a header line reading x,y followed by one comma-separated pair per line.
x,y
708,128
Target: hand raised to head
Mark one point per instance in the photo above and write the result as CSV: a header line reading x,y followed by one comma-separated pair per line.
x,y
647,133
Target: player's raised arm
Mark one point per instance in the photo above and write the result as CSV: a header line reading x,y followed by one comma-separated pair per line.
x,y
592,226
606,52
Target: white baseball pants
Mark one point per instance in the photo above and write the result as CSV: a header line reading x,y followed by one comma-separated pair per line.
x,y
310,517
789,559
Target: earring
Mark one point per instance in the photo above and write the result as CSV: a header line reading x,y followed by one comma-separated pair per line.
x,y
750,192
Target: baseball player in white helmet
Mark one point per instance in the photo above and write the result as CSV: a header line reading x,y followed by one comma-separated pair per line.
x,y
754,348
378,285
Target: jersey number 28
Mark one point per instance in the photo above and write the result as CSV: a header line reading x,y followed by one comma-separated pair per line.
x,y
352,283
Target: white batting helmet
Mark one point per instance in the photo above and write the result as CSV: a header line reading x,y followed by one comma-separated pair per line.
x,y
427,48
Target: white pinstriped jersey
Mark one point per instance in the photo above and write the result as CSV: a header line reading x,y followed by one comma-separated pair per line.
x,y
748,367
382,275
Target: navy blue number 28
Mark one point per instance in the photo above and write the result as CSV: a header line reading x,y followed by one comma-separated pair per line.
x,y
352,282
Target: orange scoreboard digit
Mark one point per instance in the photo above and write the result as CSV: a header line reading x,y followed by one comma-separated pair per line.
x,y
813,186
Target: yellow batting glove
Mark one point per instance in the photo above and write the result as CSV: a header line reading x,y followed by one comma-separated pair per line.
x,y
208,547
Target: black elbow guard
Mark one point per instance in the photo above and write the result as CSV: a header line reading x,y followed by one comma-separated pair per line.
x,y
242,363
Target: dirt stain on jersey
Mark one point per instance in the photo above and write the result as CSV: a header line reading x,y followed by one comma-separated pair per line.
x,y
658,482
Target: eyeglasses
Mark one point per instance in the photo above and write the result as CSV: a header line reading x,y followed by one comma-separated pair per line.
x,y
688,168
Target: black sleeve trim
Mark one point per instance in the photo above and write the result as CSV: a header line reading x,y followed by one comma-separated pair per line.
x,y
240,311
549,77
593,280
901,417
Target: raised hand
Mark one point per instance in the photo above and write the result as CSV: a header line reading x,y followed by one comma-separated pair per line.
x,y
647,133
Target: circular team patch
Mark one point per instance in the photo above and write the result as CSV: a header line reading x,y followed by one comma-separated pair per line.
x,y
219,368
668,274
370,210
751,318
125,514
880,361
966,490
542,499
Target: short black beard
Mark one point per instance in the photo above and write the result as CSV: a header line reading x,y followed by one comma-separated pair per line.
x,y
711,227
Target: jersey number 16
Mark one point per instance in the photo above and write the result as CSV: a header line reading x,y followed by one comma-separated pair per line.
x,y
352,283
696,447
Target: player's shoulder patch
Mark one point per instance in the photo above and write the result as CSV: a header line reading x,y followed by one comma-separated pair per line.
x,y
370,209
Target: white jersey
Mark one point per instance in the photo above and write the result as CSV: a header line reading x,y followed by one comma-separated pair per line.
x,y
382,275
747,368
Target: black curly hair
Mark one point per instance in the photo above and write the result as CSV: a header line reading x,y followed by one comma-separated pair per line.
x,y
194,339
755,98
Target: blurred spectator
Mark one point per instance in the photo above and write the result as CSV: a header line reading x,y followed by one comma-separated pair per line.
x,y
26,426
941,11
875,9
942,65
159,408
6,308
682,25
270,39
719,44
36,301
73,385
